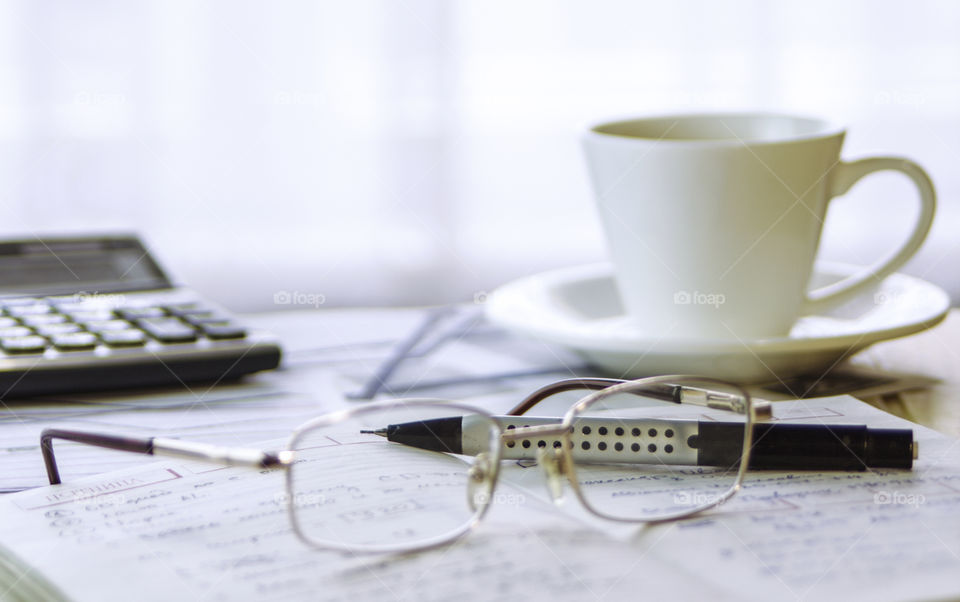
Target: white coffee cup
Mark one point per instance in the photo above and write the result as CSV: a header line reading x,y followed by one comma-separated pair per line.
x,y
713,221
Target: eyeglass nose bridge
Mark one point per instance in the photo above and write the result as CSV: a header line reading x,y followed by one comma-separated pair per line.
x,y
555,469
480,482
551,459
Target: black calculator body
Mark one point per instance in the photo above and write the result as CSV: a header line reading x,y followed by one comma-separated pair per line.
x,y
88,314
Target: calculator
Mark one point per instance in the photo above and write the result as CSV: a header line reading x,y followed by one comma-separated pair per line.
x,y
96,313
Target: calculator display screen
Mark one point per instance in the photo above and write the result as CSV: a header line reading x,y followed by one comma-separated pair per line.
x,y
55,266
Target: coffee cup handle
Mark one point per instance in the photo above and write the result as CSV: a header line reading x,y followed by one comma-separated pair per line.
x,y
843,177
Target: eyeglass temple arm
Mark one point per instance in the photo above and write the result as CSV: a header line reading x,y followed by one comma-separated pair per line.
x,y
665,391
570,384
229,456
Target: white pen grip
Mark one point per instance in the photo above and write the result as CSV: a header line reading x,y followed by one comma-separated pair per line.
x,y
647,441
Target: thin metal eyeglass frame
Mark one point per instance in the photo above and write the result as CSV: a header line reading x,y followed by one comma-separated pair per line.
x,y
668,390
285,460
665,389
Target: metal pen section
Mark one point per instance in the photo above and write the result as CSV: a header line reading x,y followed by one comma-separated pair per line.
x,y
227,456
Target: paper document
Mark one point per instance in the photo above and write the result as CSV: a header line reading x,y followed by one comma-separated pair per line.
x,y
176,530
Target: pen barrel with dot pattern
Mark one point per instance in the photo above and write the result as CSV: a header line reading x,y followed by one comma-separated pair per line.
x,y
776,446
605,440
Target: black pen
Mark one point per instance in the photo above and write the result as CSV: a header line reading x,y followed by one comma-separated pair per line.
x,y
781,446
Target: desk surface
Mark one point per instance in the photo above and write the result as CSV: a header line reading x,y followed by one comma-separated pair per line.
x,y
818,536
332,353
934,354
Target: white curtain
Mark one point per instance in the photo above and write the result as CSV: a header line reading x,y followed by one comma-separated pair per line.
x,y
423,151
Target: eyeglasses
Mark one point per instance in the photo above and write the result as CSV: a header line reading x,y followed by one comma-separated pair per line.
x,y
412,474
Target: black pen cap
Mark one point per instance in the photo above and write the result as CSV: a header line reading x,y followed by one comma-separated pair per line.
x,y
786,446
889,448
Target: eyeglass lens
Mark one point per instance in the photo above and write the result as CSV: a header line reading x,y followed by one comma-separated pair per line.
x,y
352,489
638,457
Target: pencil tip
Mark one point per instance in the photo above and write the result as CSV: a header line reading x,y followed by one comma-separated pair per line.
x,y
378,432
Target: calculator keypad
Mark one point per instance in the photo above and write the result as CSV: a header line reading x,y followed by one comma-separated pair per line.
x,y
32,326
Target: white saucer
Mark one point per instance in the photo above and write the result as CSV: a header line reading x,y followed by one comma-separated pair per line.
x,y
579,308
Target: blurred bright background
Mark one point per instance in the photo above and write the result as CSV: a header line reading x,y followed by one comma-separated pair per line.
x,y
426,151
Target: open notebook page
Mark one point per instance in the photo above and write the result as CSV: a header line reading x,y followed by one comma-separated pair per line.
x,y
190,531
185,530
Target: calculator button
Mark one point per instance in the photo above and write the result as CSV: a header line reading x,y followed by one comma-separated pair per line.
x,y
135,313
15,331
48,330
177,309
187,309
74,341
43,319
27,344
223,331
168,330
123,338
73,306
101,325
204,317
28,310
8,321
